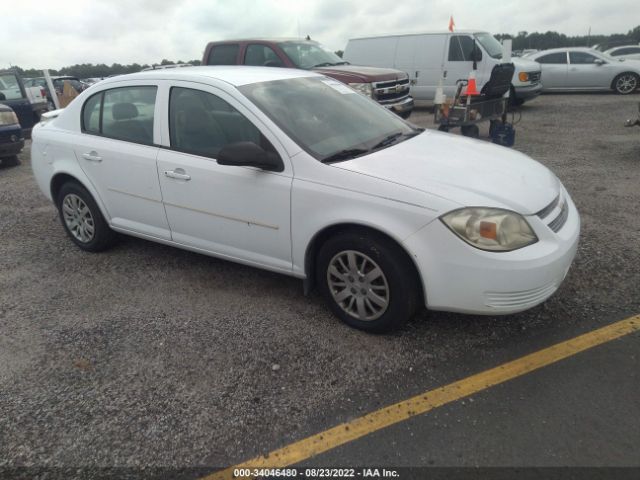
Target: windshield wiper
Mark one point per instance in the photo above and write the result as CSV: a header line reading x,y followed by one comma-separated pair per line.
x,y
395,137
324,64
343,155
342,63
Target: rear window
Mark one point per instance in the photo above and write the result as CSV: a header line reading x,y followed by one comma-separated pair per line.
x,y
557,58
223,55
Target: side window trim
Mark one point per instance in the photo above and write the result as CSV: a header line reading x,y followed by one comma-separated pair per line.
x,y
101,114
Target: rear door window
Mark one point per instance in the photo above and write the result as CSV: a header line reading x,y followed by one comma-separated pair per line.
x,y
124,113
223,55
557,58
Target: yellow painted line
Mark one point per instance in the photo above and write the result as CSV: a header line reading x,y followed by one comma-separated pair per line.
x,y
379,419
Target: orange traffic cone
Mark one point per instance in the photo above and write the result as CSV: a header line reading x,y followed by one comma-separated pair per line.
x,y
471,89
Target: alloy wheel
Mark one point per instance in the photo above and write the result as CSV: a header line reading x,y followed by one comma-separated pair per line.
x,y
627,83
358,285
77,217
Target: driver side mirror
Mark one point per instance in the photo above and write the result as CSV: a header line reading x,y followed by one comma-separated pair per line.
x,y
476,54
599,61
248,154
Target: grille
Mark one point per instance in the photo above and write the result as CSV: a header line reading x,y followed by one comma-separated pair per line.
x,y
549,208
520,299
558,222
534,77
391,91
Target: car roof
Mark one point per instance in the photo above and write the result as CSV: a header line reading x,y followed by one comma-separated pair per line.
x,y
621,46
236,75
264,39
564,49
413,34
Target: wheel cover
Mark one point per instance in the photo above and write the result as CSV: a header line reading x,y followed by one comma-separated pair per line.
x,y
77,217
358,285
626,83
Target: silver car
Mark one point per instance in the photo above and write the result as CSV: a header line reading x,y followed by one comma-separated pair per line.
x,y
575,69
628,52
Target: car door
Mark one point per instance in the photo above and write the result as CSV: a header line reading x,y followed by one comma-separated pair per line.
x,y
459,62
241,213
422,57
554,70
116,150
588,71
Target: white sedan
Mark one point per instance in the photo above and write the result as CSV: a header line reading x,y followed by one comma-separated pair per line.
x,y
586,69
294,172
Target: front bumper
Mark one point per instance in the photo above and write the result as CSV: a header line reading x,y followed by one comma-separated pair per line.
x,y
11,140
460,278
403,106
527,92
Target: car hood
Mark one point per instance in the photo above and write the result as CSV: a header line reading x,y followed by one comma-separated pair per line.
x,y
362,74
466,171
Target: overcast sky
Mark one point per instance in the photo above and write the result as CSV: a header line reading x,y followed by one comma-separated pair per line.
x,y
45,34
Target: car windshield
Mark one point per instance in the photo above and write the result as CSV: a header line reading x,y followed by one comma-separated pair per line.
x,y
308,55
490,44
327,118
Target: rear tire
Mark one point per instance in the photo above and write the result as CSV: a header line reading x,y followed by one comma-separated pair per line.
x,y
367,280
12,161
470,131
626,83
82,219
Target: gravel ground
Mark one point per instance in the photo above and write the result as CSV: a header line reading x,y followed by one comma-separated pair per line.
x,y
146,355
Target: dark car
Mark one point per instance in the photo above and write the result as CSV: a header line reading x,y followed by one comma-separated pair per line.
x,y
14,95
387,86
11,139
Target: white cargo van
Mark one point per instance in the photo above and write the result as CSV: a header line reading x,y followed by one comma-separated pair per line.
x,y
428,57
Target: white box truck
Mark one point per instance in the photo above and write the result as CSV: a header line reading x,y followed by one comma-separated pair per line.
x,y
431,57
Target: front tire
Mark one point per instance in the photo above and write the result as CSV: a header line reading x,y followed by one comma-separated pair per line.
x,y
368,281
626,83
12,161
82,219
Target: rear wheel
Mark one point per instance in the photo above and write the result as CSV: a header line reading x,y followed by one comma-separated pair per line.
x,y
82,219
368,282
11,161
625,83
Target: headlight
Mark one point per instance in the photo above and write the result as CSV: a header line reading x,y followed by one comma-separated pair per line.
x,y
523,76
363,88
491,229
8,118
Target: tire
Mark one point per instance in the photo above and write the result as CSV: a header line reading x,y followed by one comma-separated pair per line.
x,y
379,304
12,161
513,100
443,128
82,219
470,131
406,115
626,83
493,126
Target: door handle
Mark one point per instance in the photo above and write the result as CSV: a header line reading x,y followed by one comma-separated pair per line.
x,y
178,173
92,156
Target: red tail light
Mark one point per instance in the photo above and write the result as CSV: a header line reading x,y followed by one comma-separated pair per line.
x,y
43,92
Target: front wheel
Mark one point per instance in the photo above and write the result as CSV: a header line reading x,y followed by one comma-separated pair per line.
x,y
82,219
368,282
11,161
625,83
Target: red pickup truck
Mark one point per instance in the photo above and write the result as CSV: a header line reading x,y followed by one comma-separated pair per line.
x,y
388,87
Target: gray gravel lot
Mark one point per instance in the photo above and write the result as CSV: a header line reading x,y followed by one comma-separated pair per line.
x,y
148,355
